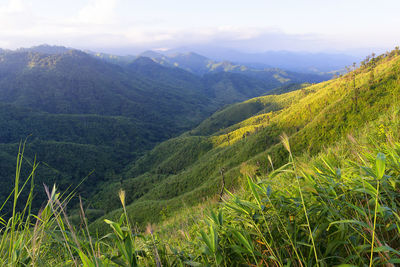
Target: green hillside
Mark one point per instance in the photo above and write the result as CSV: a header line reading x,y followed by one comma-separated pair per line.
x,y
306,178
200,65
314,117
74,106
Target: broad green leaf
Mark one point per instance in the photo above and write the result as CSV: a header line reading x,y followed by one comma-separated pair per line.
x,y
380,165
85,260
397,260
386,249
206,239
116,227
193,263
254,190
243,240
363,224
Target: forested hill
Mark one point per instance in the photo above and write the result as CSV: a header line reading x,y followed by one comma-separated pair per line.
x,y
82,113
184,170
202,65
306,174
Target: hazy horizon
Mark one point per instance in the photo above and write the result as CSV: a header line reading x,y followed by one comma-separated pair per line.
x,y
129,27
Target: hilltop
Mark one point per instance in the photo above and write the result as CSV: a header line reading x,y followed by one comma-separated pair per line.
x,y
296,61
187,168
75,106
308,177
201,65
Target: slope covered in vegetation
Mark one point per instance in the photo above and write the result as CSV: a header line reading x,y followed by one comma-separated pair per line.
x,y
73,106
291,205
337,207
187,169
201,65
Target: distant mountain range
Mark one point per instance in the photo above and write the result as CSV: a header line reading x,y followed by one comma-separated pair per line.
x,y
201,65
109,110
288,60
201,60
243,141
322,64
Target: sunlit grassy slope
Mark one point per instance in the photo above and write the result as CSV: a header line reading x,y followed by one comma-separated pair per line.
x,y
339,206
263,222
74,106
309,198
186,170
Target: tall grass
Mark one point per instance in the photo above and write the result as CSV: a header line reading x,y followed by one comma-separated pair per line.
x,y
328,212
50,239
22,233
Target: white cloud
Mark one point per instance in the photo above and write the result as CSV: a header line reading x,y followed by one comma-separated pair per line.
x,y
98,12
102,24
14,18
12,6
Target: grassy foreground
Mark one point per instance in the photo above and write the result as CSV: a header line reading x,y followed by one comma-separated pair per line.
x,y
185,170
334,203
338,208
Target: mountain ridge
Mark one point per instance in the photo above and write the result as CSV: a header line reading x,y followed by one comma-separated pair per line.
x,y
313,116
72,103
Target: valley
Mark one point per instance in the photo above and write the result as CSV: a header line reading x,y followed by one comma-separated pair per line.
x,y
70,105
187,169
199,133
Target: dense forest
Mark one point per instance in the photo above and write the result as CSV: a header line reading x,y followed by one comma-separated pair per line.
x,y
86,118
188,167
305,174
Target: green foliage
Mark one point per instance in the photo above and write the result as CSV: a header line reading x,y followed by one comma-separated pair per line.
x,y
201,65
332,203
313,117
340,223
263,224
75,106
308,213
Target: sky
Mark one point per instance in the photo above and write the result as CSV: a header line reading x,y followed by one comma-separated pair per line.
x,y
129,26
